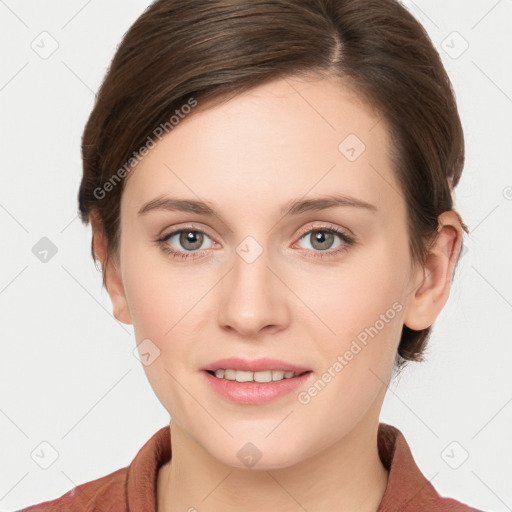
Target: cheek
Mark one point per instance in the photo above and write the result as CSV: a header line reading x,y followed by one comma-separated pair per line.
x,y
348,300
358,321
160,293
166,309
171,307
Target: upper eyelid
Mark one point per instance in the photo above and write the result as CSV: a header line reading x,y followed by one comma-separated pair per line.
x,y
185,228
327,226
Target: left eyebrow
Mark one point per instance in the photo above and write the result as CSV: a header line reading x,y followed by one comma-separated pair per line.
x,y
323,203
294,207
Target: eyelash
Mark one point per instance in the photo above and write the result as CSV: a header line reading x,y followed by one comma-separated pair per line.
x,y
183,255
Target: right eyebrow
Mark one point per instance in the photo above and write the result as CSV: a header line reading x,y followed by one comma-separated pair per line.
x,y
175,204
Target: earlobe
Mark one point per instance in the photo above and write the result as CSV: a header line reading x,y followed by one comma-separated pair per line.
x,y
431,293
111,274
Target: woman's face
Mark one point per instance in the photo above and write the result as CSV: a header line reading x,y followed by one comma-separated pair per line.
x,y
263,279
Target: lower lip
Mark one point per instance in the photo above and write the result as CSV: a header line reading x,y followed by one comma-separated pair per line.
x,y
255,393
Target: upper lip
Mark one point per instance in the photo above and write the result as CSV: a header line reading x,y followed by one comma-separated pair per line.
x,y
255,365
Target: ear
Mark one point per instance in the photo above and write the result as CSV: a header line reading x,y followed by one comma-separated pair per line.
x,y
111,273
430,296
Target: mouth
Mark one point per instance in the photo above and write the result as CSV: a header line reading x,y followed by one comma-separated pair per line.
x,y
255,382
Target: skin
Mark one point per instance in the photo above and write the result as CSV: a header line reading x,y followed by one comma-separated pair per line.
x,y
249,156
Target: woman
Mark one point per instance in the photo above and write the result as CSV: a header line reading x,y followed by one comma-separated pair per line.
x,y
269,186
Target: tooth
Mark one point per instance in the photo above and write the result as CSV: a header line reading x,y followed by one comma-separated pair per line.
x,y
242,376
262,376
230,374
277,374
265,376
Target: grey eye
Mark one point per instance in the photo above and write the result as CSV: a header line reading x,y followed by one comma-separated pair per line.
x,y
321,239
189,240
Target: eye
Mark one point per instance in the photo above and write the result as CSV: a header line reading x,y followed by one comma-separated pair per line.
x,y
323,240
184,243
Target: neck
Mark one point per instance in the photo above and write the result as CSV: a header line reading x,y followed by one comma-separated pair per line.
x,y
345,477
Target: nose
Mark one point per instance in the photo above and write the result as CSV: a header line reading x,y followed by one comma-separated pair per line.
x,y
253,297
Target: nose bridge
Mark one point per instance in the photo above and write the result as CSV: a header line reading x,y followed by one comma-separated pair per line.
x,y
252,297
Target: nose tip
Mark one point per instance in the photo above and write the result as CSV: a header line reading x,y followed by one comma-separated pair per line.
x,y
251,300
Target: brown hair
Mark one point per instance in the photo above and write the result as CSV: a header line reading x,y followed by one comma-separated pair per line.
x,y
208,49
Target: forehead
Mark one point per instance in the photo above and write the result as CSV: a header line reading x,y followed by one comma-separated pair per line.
x,y
281,140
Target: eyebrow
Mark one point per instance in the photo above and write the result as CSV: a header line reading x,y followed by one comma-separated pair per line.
x,y
294,207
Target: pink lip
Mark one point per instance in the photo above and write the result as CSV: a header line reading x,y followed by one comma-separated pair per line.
x,y
254,393
257,365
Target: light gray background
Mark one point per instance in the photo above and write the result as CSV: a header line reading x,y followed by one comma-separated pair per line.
x,y
68,375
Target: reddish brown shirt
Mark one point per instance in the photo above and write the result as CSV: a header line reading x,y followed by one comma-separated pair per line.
x,y
133,488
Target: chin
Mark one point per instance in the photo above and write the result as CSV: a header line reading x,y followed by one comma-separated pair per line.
x,y
258,454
